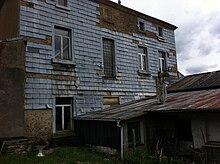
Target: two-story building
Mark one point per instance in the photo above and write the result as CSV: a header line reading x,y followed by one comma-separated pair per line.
x,y
81,56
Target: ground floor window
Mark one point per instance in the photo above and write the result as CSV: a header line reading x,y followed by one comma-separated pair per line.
x,y
63,113
133,129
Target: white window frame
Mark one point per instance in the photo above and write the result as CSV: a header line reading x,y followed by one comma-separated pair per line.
x,y
62,38
161,60
141,63
63,118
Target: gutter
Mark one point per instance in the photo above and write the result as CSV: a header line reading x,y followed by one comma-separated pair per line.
x,y
122,139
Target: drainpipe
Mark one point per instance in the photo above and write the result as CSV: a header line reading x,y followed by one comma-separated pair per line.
x,y
122,139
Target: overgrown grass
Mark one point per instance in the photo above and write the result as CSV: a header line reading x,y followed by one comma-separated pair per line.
x,y
140,157
63,155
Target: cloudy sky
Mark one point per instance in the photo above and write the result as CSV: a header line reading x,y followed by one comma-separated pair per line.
x,y
198,33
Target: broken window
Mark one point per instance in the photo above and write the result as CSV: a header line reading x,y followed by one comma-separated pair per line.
x,y
141,26
109,57
160,31
162,62
133,129
63,113
62,2
62,43
143,58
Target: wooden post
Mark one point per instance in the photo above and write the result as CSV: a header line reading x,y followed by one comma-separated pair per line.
x,y
134,140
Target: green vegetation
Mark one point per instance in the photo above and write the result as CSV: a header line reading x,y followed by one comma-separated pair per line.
x,y
61,155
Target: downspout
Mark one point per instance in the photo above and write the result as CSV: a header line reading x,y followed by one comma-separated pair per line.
x,y
122,139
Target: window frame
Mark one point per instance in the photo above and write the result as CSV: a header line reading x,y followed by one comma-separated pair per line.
x,y
65,1
160,32
69,37
162,67
140,134
114,71
141,63
141,25
63,106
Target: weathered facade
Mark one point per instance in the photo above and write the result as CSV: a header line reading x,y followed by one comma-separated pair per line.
x,y
85,55
12,56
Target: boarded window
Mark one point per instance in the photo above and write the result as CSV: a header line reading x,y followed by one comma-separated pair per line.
x,y
143,58
162,62
62,2
63,114
110,101
137,133
62,43
109,57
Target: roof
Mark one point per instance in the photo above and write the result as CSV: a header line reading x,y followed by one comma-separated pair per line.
x,y
208,80
134,12
203,100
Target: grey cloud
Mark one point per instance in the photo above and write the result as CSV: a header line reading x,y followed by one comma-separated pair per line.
x,y
199,68
205,49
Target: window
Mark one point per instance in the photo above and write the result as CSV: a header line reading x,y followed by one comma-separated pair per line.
x,y
63,113
160,31
141,26
162,62
143,60
62,2
134,126
108,13
109,57
62,43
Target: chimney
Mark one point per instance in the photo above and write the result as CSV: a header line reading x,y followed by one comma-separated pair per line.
x,y
119,2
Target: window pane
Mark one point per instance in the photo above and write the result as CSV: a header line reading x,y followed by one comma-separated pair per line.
x,y
136,127
67,124
62,2
58,118
144,62
109,57
66,53
140,65
57,46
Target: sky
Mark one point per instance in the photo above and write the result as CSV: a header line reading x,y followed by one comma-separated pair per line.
x,y
198,33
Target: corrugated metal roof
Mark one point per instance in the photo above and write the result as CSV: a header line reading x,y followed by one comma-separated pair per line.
x,y
179,101
196,82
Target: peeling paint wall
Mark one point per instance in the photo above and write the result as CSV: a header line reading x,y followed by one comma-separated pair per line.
x,y
82,77
12,89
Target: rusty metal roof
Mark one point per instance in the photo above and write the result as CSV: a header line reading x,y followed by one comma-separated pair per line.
x,y
197,82
203,100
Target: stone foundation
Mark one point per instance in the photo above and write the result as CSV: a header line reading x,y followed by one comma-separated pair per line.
x,y
38,123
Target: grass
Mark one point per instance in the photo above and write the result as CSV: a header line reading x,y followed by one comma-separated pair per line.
x,y
61,155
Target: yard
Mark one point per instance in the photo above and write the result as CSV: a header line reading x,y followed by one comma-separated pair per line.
x,y
63,155
71,155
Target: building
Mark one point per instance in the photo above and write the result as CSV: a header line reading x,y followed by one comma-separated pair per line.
x,y
81,56
187,120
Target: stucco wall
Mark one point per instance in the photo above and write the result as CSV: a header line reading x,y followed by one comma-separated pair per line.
x,y
12,89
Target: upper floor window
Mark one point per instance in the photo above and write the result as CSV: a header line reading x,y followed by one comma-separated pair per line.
x,y
160,31
141,26
143,59
162,62
63,114
62,2
62,43
109,57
